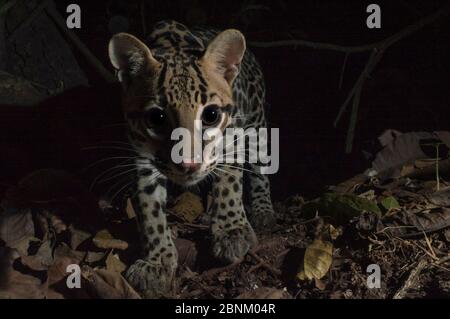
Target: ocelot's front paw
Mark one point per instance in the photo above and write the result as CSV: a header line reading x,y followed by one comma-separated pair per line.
x,y
151,279
262,218
232,244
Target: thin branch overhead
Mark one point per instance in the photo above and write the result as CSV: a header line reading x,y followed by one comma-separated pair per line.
x,y
377,49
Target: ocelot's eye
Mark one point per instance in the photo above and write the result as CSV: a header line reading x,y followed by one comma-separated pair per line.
x,y
211,115
155,117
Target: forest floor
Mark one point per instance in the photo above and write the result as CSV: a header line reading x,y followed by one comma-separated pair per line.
x,y
360,239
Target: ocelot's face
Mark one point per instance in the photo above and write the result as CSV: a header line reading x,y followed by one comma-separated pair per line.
x,y
177,92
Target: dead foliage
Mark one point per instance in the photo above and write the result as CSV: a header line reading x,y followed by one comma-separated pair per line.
x,y
320,248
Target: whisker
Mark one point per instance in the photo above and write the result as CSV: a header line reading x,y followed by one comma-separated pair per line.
x,y
153,177
236,168
121,189
94,182
215,173
110,159
232,142
235,153
226,172
120,174
109,147
238,151
115,142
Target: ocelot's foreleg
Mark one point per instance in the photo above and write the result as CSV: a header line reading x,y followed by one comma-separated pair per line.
x,y
153,274
233,236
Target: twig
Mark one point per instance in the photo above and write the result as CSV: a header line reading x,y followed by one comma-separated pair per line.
x,y
263,263
355,94
341,77
377,49
314,45
441,261
274,271
428,230
60,22
353,118
412,280
374,59
361,48
294,226
427,240
421,248
214,271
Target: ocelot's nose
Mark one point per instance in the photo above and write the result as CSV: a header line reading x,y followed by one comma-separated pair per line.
x,y
189,166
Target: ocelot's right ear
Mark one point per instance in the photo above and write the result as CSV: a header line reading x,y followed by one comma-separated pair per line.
x,y
130,57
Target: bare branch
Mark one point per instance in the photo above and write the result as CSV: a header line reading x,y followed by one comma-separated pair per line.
x,y
360,48
377,48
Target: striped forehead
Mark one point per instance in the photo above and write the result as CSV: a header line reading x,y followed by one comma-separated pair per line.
x,y
183,84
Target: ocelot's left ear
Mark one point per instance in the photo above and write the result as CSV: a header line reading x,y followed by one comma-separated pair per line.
x,y
224,54
130,57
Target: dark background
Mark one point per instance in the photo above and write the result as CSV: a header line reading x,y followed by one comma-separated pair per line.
x,y
408,90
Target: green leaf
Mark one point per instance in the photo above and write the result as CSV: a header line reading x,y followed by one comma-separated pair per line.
x,y
389,203
340,207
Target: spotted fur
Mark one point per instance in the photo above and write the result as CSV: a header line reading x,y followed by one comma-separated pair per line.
x,y
180,73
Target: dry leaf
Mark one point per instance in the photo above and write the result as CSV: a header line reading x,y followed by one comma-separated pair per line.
x,y
48,222
406,224
103,239
447,235
113,263
107,284
317,261
16,227
401,150
23,286
319,284
93,257
188,206
77,237
43,257
23,245
130,210
440,198
103,234
7,256
63,257
59,192
187,252
18,281
407,169
334,232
